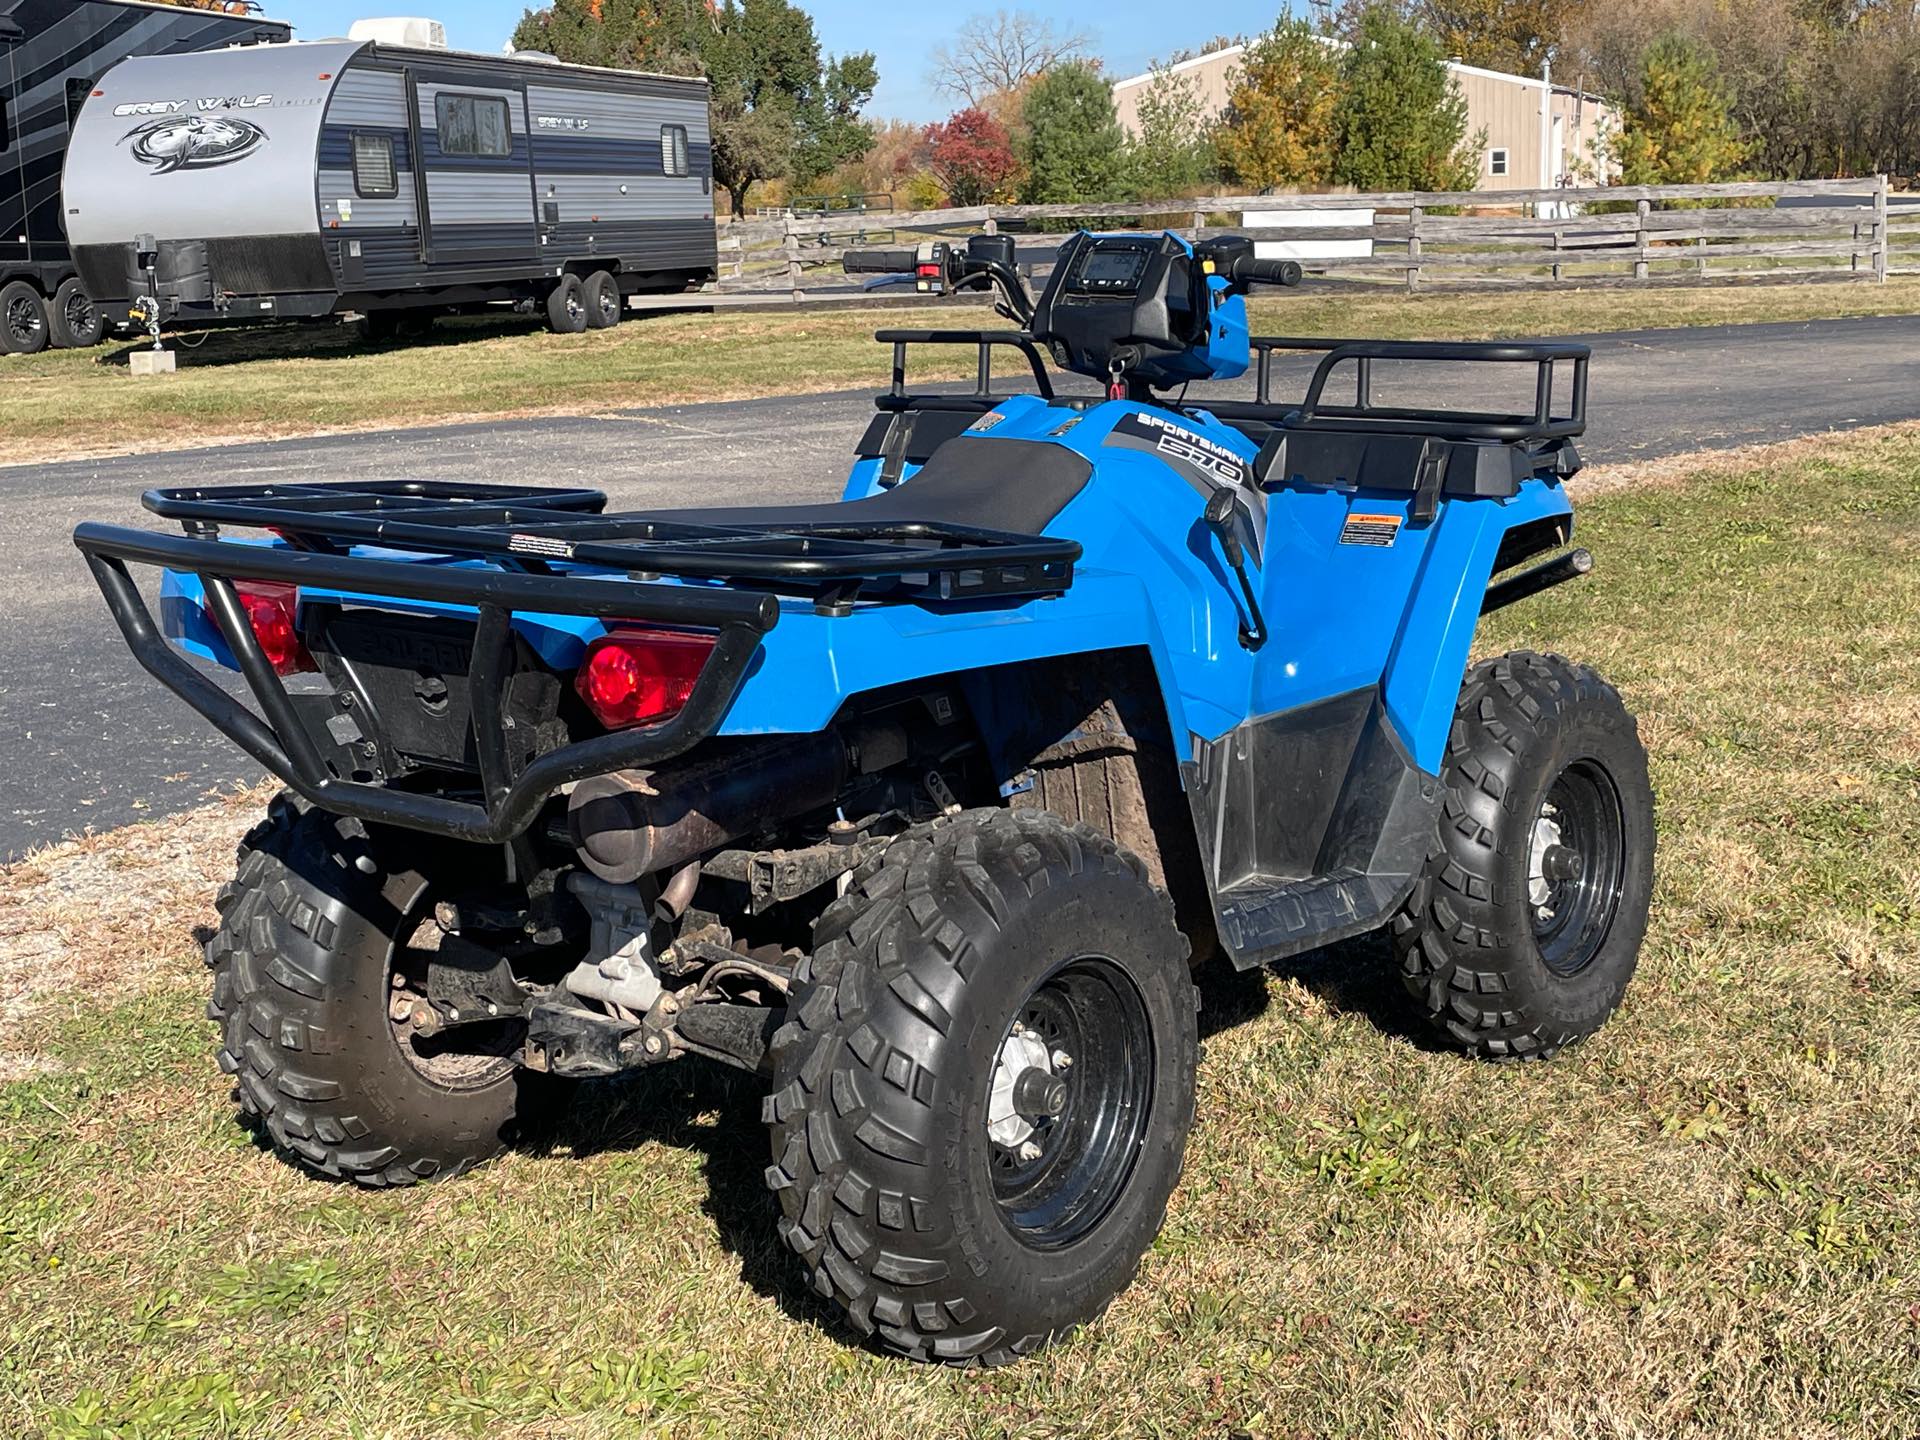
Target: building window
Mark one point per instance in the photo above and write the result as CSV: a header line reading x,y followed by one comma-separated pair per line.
x,y
375,177
1497,162
473,125
673,150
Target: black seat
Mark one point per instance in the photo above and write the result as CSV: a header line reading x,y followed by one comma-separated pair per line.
x,y
978,482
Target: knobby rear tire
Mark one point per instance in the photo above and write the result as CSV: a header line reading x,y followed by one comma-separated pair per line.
x,y
301,990
878,1112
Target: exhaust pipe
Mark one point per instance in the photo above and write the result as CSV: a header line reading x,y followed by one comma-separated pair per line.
x,y
633,822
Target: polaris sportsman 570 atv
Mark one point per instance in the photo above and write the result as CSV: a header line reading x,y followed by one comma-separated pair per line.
x,y
921,804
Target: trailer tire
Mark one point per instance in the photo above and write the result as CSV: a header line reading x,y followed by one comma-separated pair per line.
x,y
606,306
567,307
311,926
23,320
1524,931
906,1200
73,321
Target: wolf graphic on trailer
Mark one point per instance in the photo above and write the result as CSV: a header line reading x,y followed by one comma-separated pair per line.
x,y
51,53
304,180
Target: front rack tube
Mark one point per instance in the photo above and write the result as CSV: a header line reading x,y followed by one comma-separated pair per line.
x,y
986,340
1541,425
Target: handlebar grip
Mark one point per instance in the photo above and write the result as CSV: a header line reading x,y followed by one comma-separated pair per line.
x,y
879,262
1248,270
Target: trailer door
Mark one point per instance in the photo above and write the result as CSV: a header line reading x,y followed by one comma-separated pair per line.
x,y
476,190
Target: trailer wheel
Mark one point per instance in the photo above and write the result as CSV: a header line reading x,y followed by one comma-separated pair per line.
x,y
982,1094
23,320
74,321
323,931
605,304
567,307
1525,930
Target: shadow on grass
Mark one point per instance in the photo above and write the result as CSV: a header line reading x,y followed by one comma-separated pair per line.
x,y
715,1113
1361,977
321,340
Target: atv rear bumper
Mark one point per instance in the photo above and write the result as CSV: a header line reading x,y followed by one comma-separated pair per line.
x,y
275,737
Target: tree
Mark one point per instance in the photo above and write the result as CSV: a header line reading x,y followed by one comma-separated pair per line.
x,y
971,155
778,109
1170,153
1279,127
1074,149
1514,36
1681,131
1000,54
621,34
1401,120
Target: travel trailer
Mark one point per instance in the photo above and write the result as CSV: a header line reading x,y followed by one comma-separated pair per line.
x,y
51,53
298,181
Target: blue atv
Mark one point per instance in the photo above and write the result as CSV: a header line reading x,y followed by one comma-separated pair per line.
x,y
922,805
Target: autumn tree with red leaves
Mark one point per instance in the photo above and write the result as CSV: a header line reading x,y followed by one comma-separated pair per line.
x,y
971,154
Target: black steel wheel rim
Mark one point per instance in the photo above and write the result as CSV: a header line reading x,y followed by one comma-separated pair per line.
x,y
1090,1010
1584,869
24,319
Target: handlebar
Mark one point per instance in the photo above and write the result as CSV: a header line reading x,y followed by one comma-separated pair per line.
x,y
879,262
1246,270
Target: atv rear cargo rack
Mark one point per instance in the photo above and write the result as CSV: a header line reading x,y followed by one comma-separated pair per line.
x,y
424,530
831,561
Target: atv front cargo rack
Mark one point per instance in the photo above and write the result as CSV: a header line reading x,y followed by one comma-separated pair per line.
x,y
430,533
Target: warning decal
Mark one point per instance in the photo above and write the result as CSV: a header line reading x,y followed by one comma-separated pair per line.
x,y
540,545
1379,531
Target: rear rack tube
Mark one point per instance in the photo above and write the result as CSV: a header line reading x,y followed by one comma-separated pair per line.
x,y
278,741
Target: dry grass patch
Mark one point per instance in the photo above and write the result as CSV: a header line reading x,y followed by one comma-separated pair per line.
x,y
1703,1223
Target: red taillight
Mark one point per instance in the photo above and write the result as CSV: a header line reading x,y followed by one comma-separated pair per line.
x,y
271,610
637,677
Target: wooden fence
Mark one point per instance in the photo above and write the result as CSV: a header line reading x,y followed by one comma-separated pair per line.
x,y
1617,235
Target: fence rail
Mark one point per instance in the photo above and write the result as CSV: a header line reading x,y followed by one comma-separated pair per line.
x,y
1614,235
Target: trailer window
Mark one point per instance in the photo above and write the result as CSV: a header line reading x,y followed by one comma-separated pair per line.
x,y
375,177
473,125
1497,162
673,149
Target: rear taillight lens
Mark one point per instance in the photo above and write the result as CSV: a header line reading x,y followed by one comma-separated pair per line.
x,y
272,609
638,677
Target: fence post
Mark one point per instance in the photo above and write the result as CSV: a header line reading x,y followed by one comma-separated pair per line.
x,y
792,247
1558,240
1414,216
990,225
1640,211
1882,239
1199,224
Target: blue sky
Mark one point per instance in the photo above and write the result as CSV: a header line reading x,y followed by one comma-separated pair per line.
x,y
1127,33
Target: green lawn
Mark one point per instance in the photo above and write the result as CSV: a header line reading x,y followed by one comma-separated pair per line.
x,y
283,382
1705,1222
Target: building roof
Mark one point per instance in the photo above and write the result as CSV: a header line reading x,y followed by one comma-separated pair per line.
x,y
1458,67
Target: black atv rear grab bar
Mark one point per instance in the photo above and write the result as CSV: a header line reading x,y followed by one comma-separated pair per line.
x,y
986,340
1542,424
278,740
